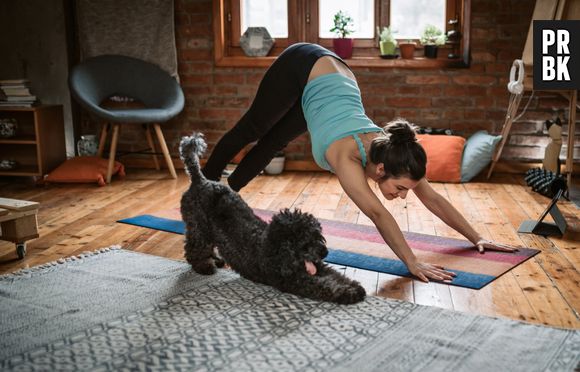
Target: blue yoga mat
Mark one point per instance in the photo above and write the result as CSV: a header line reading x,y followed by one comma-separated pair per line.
x,y
335,256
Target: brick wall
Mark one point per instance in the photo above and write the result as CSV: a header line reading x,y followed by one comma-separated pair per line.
x,y
465,100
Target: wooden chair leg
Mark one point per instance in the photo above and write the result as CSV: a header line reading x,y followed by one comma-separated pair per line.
x,y
151,145
103,139
112,152
165,150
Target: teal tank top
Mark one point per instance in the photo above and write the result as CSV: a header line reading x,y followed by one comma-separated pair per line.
x,y
333,110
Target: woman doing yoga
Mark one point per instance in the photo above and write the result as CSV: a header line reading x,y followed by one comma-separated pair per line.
x,y
309,88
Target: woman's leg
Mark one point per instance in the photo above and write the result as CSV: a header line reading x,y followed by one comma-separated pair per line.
x,y
289,127
278,92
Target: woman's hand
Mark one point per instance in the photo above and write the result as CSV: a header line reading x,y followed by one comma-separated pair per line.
x,y
425,271
483,244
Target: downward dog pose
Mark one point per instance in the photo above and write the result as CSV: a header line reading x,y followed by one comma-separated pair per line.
x,y
309,88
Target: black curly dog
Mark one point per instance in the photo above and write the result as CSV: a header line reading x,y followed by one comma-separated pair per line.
x,y
286,254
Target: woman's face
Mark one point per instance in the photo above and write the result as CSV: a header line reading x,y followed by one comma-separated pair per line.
x,y
393,188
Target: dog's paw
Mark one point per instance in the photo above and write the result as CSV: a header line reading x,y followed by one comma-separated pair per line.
x,y
351,294
205,268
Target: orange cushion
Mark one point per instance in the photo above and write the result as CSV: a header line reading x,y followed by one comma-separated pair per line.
x,y
84,169
443,156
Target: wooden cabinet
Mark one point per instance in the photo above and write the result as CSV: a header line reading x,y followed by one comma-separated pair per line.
x,y
39,144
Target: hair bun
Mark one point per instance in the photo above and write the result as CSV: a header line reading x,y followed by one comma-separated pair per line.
x,y
400,131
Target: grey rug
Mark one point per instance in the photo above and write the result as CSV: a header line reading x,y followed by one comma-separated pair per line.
x,y
121,310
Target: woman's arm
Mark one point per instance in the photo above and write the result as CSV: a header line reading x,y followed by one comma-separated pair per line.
x,y
352,179
443,209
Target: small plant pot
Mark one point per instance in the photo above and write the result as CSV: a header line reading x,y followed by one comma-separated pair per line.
x,y
407,50
276,166
343,47
387,48
430,51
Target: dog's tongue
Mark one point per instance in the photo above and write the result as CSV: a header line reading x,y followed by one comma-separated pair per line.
x,y
310,268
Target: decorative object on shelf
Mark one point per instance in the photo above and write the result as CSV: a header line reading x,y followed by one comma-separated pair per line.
x,y
431,38
453,38
256,42
387,42
551,160
8,164
87,145
276,165
342,28
8,127
407,49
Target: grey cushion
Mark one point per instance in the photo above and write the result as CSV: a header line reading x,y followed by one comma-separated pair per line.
x,y
101,77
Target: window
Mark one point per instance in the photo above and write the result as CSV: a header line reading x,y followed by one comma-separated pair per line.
x,y
272,14
291,21
363,11
408,17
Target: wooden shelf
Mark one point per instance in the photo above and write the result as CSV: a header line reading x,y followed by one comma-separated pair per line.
x,y
416,63
24,170
38,146
20,140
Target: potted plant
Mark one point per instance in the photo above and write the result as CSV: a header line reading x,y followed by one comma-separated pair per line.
x,y
276,165
342,28
431,38
407,49
387,42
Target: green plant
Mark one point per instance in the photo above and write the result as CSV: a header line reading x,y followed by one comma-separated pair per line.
x,y
433,36
387,35
342,24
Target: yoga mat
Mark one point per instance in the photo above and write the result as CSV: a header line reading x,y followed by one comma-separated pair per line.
x,y
363,247
119,310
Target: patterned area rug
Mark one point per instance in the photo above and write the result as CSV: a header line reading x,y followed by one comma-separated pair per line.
x,y
121,310
363,247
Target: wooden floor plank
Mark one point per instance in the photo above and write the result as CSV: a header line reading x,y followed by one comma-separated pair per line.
x,y
502,230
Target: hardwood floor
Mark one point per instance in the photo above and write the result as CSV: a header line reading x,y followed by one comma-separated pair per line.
x,y
545,290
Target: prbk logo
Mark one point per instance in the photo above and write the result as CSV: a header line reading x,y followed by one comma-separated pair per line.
x,y
556,55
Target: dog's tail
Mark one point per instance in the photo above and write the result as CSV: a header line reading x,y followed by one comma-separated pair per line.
x,y
190,149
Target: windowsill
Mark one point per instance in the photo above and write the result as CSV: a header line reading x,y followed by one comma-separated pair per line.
x,y
416,63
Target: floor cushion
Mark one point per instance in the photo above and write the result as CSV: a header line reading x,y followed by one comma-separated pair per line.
x,y
479,149
84,169
443,156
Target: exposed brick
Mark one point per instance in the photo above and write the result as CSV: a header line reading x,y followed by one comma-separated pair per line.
x,y
483,56
446,102
193,79
408,102
194,54
220,113
225,89
408,90
427,79
474,80
229,79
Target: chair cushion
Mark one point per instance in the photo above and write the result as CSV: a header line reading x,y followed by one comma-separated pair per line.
x,y
84,169
443,156
479,149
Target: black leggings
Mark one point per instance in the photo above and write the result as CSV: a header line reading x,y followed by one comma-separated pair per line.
x,y
274,119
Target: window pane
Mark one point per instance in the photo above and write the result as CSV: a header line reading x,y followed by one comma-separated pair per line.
x,y
272,14
361,11
409,17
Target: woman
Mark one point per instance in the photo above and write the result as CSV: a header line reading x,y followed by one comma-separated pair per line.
x,y
311,88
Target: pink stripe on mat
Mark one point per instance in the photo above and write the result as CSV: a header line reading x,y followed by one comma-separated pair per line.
x,y
430,243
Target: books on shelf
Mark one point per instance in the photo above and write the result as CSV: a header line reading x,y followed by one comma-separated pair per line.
x,y
16,93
